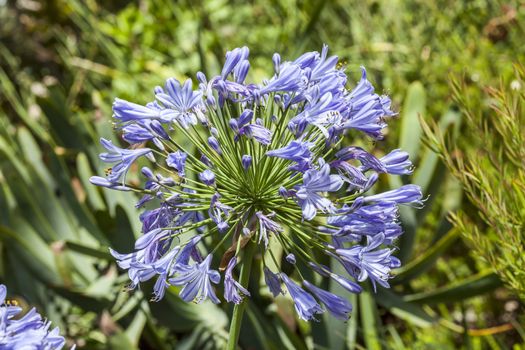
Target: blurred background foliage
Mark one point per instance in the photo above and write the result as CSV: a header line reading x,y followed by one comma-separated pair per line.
x,y
62,63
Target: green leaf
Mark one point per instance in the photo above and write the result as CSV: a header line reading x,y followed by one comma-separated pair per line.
x,y
82,299
424,261
90,251
84,172
413,107
409,312
476,285
369,321
188,315
134,330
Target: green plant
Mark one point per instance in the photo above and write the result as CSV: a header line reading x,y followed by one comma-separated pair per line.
x,y
491,169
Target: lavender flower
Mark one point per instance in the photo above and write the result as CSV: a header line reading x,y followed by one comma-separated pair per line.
x,y
304,302
27,332
246,161
272,281
180,102
177,160
125,111
232,287
370,262
267,225
123,159
272,161
196,281
309,193
207,177
337,306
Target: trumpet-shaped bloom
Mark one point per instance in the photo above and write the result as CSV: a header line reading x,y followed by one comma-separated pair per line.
x,y
27,332
232,288
338,306
180,102
310,195
197,280
304,302
123,159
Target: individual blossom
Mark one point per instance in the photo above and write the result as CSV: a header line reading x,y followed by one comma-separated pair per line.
x,y
305,304
122,158
310,193
369,261
29,331
272,281
232,288
180,102
267,226
177,160
197,281
338,306
241,167
207,177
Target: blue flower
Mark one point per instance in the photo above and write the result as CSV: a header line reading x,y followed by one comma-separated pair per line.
x,y
296,151
122,157
367,220
267,225
149,249
291,258
245,117
290,78
246,161
231,286
232,60
371,262
212,141
258,132
314,183
180,102
367,109
26,332
103,182
143,131
272,281
323,65
218,212
397,162
407,194
207,177
271,158
350,286
350,174
337,306
177,160
367,160
125,111
304,302
321,112
196,281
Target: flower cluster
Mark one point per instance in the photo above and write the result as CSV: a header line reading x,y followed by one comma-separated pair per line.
x,y
237,164
26,332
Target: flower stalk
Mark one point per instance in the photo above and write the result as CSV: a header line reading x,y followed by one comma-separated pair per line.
x,y
238,310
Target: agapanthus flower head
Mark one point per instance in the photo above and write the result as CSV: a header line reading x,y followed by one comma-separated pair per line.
x,y
253,165
29,331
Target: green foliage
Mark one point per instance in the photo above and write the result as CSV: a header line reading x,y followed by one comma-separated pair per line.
x,y
491,169
62,63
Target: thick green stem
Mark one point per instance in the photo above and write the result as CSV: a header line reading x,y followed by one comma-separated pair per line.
x,y
238,310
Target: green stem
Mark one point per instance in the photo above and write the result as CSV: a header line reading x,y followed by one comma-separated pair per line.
x,y
238,310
